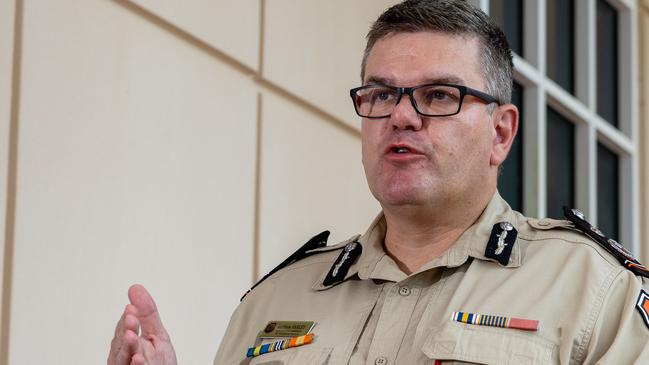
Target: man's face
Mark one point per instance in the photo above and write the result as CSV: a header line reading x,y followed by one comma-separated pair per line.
x,y
447,159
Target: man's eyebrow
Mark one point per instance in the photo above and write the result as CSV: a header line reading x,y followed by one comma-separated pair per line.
x,y
445,80
434,80
378,80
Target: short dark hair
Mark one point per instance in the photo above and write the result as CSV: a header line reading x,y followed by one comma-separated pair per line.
x,y
454,17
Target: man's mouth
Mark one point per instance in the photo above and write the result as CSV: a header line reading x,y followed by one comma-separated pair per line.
x,y
400,153
400,149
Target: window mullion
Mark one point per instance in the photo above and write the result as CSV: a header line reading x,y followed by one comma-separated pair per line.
x,y
534,33
586,56
586,179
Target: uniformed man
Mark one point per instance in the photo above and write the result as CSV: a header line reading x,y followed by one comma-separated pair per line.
x,y
448,272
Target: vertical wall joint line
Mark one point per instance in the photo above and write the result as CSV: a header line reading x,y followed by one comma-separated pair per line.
x,y
10,208
262,29
257,213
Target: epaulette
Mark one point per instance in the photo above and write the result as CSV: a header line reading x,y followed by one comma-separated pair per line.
x,y
617,250
317,241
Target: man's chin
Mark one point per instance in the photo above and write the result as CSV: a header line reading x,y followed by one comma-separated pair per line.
x,y
403,197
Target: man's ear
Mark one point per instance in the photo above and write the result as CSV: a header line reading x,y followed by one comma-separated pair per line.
x,y
505,126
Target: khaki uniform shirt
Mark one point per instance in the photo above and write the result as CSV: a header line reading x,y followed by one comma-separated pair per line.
x,y
584,300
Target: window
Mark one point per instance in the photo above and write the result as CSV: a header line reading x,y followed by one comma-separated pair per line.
x,y
561,43
510,181
607,68
508,14
608,215
560,163
576,83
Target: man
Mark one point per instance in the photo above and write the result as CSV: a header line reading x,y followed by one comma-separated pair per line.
x,y
448,273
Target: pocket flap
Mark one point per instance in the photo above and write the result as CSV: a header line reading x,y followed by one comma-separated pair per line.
x,y
487,345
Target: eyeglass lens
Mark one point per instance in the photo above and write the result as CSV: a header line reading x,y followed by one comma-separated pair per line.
x,y
380,101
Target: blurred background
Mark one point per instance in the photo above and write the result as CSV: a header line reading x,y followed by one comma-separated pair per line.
x,y
191,146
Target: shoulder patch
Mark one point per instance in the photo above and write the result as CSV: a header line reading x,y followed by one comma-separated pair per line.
x,y
621,254
308,249
643,306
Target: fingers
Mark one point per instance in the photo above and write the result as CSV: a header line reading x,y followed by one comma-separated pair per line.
x,y
155,348
125,341
119,329
138,359
147,312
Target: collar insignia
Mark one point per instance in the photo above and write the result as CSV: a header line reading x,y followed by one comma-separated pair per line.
x,y
501,242
341,266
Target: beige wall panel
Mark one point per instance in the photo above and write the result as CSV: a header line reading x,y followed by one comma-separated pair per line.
x,y
311,180
314,49
230,26
7,9
136,164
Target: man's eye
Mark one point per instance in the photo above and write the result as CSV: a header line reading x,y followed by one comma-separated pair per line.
x,y
438,95
381,95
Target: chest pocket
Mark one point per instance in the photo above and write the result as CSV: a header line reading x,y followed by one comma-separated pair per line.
x,y
458,343
294,356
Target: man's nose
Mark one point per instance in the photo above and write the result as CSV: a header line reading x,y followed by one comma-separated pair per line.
x,y
404,115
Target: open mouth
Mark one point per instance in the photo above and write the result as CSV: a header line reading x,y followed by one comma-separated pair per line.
x,y
400,149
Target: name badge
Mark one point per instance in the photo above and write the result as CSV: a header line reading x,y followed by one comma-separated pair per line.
x,y
286,329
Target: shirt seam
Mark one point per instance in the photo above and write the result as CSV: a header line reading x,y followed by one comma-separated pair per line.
x,y
595,314
590,244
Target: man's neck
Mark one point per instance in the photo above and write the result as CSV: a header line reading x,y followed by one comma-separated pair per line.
x,y
414,237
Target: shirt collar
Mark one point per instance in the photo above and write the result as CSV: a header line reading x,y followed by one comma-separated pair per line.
x,y
473,242
374,263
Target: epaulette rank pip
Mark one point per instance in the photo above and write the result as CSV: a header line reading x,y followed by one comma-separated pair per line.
x,y
621,254
317,241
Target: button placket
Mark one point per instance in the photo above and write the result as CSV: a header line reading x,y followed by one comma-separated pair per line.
x,y
393,321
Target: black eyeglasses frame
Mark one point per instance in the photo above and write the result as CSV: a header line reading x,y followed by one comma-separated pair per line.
x,y
464,90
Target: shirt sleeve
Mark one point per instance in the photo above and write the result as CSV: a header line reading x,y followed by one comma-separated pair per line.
x,y
620,333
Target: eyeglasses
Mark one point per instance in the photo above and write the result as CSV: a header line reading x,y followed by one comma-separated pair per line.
x,y
430,100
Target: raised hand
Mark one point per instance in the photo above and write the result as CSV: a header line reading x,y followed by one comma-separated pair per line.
x,y
140,338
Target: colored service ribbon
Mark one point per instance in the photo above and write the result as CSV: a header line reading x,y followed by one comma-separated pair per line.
x,y
280,345
495,321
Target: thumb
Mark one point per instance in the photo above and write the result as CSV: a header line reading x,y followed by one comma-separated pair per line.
x,y
147,312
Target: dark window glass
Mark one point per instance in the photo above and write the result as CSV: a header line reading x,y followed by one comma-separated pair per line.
x,y
561,43
510,181
608,192
560,164
607,65
508,14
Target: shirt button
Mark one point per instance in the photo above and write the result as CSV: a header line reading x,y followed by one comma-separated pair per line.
x,y
381,360
404,291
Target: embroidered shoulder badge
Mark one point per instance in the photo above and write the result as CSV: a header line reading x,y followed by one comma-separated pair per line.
x,y
643,306
621,254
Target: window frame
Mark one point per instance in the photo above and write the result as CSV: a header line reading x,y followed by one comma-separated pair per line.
x,y
581,109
